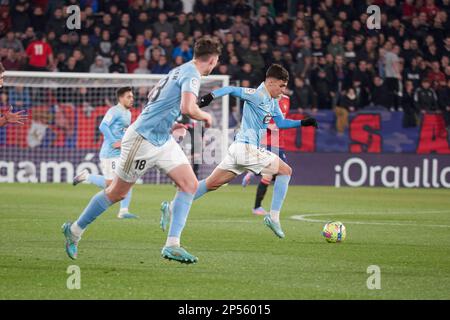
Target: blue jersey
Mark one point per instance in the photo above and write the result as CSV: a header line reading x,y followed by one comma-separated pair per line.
x,y
259,109
113,126
163,108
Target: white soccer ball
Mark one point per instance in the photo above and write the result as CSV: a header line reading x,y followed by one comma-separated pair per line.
x,y
334,232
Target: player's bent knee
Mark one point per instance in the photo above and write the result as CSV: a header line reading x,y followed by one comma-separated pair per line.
x,y
189,186
285,171
115,196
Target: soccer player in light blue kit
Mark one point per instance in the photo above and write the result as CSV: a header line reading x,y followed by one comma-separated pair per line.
x,y
244,153
148,143
113,126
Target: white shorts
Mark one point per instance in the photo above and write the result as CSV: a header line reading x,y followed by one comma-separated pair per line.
x,y
137,155
242,157
108,166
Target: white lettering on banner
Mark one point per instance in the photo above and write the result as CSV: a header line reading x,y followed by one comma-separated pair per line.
x,y
7,167
27,172
384,177
443,177
391,176
57,169
374,20
346,172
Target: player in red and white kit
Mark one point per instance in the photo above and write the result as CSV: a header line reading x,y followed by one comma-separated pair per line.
x,y
274,142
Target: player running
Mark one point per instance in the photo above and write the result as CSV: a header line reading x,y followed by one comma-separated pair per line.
x,y
113,126
148,143
274,142
245,153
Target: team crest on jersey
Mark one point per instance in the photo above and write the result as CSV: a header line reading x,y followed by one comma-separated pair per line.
x,y
267,118
195,83
249,90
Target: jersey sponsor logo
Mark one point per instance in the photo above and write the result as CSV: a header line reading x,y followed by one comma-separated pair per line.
x,y
249,90
267,118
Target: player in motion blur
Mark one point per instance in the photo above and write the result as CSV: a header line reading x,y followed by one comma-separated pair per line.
x,y
261,105
148,143
274,141
9,116
113,126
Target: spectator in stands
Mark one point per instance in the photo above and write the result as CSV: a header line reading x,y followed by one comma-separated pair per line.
x,y
162,25
98,66
410,113
155,44
71,66
435,75
12,61
142,67
412,73
11,42
182,25
40,54
347,103
425,97
335,47
87,49
392,73
82,63
379,98
57,22
20,19
322,89
121,48
240,26
248,74
132,62
443,94
162,67
38,19
183,50
200,24
302,96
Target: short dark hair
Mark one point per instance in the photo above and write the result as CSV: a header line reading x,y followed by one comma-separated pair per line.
x,y
121,91
2,68
205,47
278,72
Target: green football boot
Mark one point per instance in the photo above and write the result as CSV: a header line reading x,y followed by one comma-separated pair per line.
x,y
71,244
274,226
178,254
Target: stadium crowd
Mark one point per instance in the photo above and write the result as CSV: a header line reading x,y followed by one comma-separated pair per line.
x,y
335,61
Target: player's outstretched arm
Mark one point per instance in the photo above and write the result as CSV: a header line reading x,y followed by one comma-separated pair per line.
x,y
190,108
283,123
205,100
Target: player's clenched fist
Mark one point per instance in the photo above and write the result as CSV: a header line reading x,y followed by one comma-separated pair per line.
x,y
310,122
205,100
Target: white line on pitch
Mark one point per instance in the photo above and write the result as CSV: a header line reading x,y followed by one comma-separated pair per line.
x,y
303,218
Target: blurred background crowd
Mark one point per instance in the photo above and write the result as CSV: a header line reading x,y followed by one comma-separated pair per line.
x,y
335,61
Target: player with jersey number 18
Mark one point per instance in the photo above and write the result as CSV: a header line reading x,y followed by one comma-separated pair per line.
x,y
148,143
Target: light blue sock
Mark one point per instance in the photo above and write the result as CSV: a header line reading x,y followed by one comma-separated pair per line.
x,y
201,190
180,211
280,189
98,180
98,204
126,201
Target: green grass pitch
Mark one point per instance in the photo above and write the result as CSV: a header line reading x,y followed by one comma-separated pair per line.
x,y
404,232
